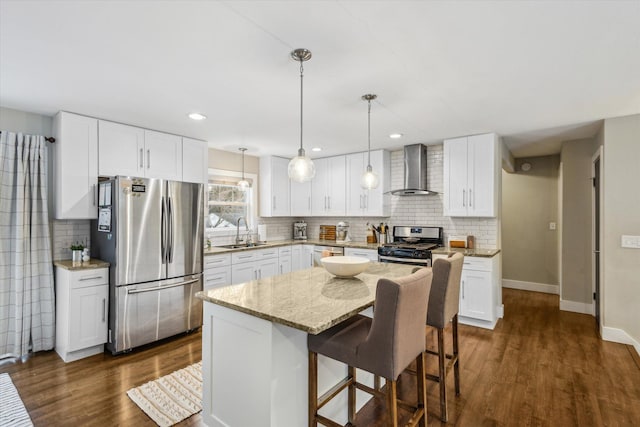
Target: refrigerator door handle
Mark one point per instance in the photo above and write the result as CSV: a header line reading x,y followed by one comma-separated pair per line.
x,y
163,232
170,231
159,288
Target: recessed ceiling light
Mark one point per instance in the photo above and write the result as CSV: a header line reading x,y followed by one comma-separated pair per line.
x,y
316,149
197,116
395,136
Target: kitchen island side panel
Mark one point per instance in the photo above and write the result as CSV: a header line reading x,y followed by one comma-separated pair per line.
x,y
255,373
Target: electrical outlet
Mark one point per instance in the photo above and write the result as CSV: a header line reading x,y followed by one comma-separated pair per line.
x,y
552,226
632,242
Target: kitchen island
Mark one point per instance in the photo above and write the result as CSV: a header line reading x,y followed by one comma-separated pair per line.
x,y
254,349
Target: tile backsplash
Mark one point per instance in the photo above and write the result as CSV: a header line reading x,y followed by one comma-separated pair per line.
x,y
64,233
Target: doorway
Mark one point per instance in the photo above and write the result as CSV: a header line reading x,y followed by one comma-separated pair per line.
x,y
596,174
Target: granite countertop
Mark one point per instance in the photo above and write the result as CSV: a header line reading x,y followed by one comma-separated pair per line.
x,y
93,263
311,300
484,253
214,250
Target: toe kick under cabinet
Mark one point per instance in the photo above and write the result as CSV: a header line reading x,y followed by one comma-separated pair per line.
x,y
82,304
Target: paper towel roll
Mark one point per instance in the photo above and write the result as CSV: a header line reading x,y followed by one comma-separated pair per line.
x,y
262,232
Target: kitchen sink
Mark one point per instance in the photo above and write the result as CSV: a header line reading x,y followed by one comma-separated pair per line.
x,y
244,245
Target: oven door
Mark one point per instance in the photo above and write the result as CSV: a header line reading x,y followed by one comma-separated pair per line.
x,y
410,261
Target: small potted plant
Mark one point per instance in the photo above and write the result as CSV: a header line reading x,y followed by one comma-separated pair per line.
x,y
76,252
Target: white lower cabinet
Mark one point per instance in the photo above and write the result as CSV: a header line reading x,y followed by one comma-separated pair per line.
x,y
371,254
480,291
285,255
254,264
217,271
82,304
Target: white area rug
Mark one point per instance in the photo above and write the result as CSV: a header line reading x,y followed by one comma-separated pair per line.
x,y
12,410
172,398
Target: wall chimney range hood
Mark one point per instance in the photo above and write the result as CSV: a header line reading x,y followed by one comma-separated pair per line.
x,y
415,172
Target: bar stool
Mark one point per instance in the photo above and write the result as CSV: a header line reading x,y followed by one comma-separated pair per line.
x,y
444,300
384,346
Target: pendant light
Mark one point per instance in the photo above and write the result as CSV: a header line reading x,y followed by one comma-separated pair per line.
x,y
243,183
369,178
301,167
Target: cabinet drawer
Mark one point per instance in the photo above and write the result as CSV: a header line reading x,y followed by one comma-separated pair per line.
x,y
285,251
477,263
217,260
267,253
215,277
86,278
370,254
243,256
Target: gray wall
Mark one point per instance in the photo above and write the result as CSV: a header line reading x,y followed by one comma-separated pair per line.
x,y
621,166
529,204
576,220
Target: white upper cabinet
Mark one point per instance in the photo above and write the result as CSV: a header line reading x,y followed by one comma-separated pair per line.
x,y
121,150
75,166
300,198
195,161
274,186
163,155
374,202
471,176
132,151
328,188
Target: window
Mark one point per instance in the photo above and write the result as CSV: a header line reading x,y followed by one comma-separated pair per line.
x,y
226,202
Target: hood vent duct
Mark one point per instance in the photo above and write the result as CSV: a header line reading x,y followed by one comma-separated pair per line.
x,y
415,172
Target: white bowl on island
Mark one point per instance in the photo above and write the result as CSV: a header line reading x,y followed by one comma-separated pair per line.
x,y
345,266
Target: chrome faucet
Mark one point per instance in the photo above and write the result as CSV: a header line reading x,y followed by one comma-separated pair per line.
x,y
246,226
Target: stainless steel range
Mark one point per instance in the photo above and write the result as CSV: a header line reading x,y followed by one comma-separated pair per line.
x,y
411,245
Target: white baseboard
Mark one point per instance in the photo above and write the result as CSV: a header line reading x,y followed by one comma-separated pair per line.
x,y
618,335
577,307
531,286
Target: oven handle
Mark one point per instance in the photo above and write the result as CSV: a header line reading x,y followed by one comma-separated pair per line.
x,y
425,262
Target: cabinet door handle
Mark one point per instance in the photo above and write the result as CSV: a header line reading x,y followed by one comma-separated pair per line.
x,y
274,203
309,198
463,289
104,309
325,203
470,197
141,158
94,194
464,198
148,159
329,203
366,201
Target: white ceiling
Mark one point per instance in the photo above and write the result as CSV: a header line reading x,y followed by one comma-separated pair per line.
x,y
535,72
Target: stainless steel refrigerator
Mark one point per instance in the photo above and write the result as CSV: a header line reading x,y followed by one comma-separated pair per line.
x,y
151,232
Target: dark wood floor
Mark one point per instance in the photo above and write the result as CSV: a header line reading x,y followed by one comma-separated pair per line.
x,y
539,367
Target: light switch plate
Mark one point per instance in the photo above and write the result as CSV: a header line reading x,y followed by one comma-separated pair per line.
x,y
632,242
552,226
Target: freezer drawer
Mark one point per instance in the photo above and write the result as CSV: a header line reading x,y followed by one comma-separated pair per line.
x,y
148,312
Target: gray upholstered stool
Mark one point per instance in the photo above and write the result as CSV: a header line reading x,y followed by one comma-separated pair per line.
x,y
384,346
444,300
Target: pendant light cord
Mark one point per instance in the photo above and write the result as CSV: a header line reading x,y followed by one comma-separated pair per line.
x,y
301,98
369,135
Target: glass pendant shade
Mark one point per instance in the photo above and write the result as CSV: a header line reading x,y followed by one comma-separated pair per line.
x,y
369,179
301,168
244,185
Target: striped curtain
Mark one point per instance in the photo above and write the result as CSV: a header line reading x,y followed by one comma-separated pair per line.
x,y
27,307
